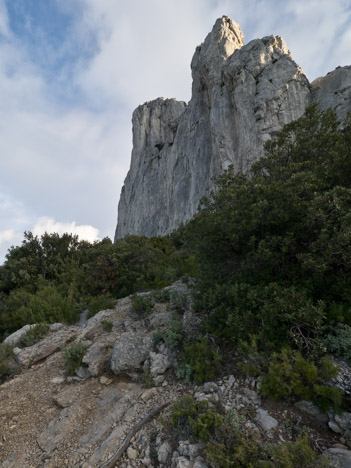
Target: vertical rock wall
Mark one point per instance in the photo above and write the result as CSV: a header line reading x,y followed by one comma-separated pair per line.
x,y
241,96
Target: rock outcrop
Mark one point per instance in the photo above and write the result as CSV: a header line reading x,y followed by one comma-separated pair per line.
x,y
50,419
242,95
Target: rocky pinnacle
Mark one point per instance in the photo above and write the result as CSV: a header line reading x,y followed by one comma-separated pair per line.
x,y
242,95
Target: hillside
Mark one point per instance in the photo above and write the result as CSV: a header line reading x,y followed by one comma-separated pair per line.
x,y
224,344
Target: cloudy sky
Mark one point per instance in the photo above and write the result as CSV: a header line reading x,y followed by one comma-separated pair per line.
x,y
72,71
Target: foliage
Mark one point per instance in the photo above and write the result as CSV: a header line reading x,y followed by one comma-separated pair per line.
x,y
230,443
97,303
289,374
148,379
141,305
172,335
183,371
296,454
74,356
34,334
233,448
179,301
106,325
7,364
54,278
194,420
161,295
268,243
202,359
338,341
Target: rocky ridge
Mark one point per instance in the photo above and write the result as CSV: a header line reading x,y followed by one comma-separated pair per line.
x,y
51,419
242,95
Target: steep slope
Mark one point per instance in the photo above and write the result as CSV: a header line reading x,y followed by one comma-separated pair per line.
x,y
241,96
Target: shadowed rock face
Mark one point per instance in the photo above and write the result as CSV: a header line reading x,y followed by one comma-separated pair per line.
x,y
241,96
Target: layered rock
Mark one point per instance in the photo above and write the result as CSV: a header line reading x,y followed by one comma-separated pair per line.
x,y
242,95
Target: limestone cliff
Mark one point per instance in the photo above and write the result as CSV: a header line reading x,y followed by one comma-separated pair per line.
x,y
241,96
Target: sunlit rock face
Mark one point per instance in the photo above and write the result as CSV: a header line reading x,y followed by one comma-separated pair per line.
x,y
242,95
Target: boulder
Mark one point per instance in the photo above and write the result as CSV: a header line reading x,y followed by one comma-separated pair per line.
x,y
130,351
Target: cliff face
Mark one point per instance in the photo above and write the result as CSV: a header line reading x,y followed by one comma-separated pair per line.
x,y
241,96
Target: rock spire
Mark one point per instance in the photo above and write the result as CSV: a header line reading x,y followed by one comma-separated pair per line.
x,y
241,96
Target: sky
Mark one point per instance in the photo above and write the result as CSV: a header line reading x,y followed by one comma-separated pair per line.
x,y
73,71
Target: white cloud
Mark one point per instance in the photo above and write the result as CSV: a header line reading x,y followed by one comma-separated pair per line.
x,y
49,225
8,236
65,146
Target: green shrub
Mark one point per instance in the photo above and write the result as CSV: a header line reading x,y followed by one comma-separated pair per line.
x,y
148,379
296,455
203,360
97,303
161,296
141,306
34,334
172,335
338,341
74,356
183,371
339,313
231,448
106,325
7,365
267,243
179,301
194,420
289,374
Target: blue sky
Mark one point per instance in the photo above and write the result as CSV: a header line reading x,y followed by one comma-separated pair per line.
x,y
72,72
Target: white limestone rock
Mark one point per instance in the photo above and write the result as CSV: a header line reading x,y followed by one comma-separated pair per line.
x,y
334,90
15,338
129,352
242,95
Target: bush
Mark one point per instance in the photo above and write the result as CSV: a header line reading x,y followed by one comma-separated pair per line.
x,y
34,334
141,306
106,325
267,243
179,301
194,420
7,364
161,296
289,374
98,303
74,356
231,448
296,455
338,341
148,379
172,335
203,361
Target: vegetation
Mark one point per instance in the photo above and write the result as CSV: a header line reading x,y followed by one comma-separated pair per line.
x,y
270,252
74,356
54,278
274,248
7,362
141,306
34,334
230,443
202,359
107,325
